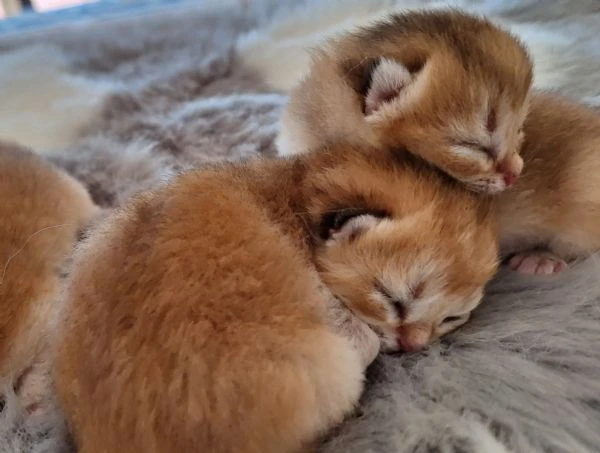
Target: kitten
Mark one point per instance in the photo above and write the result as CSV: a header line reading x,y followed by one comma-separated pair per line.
x,y
535,217
451,87
552,214
207,313
42,210
537,232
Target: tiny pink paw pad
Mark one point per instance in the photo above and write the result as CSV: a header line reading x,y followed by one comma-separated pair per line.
x,y
537,263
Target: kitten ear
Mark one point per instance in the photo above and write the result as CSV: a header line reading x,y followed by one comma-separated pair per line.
x,y
353,228
388,80
394,84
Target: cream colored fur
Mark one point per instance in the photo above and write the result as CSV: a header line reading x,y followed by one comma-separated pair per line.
x,y
43,106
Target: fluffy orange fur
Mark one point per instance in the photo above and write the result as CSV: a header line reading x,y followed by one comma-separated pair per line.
x,y
552,214
42,211
450,87
208,313
477,86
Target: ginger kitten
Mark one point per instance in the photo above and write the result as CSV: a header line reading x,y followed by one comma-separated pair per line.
x,y
552,214
42,211
234,309
546,219
448,86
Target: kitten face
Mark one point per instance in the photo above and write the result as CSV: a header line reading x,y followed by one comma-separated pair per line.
x,y
450,87
467,124
409,288
408,254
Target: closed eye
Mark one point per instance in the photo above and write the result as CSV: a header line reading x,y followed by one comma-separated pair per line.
x,y
398,304
490,151
452,319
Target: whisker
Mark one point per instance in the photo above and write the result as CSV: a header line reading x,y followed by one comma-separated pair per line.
x,y
357,65
14,255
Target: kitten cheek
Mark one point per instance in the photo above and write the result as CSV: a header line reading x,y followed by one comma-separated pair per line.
x,y
446,329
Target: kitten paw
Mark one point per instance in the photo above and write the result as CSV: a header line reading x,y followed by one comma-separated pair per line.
x,y
361,336
537,263
367,343
33,388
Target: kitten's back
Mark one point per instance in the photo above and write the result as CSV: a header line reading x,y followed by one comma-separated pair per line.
x,y
557,199
204,268
42,210
202,310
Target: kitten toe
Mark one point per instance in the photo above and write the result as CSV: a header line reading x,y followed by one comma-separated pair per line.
x,y
516,261
537,263
545,266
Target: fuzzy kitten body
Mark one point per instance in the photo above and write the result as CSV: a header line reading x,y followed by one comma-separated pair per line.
x,y
448,86
42,211
202,315
552,214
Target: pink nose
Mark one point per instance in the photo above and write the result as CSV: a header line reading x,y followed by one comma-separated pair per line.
x,y
414,337
509,178
407,346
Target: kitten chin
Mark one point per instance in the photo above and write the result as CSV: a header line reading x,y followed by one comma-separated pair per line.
x,y
42,211
234,308
449,87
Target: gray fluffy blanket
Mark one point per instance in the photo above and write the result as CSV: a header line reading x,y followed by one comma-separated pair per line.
x,y
123,104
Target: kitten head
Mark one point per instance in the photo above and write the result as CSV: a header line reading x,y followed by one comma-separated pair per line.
x,y
406,248
469,125
449,87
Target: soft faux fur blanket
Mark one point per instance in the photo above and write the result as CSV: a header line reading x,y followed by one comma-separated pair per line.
x,y
122,105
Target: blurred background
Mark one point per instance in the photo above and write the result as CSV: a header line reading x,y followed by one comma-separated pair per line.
x,y
15,7
21,15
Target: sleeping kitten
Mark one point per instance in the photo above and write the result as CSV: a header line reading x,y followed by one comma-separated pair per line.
x,y
207,314
552,214
42,210
450,87
536,217
549,217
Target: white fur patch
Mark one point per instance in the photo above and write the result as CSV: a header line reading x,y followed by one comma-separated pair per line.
x,y
406,98
469,153
355,225
389,79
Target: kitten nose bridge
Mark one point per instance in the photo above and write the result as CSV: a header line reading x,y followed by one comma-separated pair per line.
x,y
414,337
510,168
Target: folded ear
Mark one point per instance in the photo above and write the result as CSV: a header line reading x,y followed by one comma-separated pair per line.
x,y
388,80
353,228
394,87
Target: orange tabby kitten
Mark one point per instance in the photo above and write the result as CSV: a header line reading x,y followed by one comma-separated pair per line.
x,y
547,218
552,214
205,315
448,86
42,210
